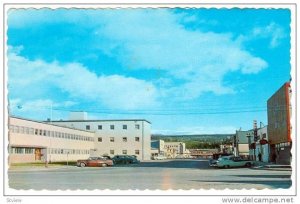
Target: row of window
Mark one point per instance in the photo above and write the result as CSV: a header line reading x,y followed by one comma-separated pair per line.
x,y
112,127
137,152
67,151
112,139
28,150
48,133
20,150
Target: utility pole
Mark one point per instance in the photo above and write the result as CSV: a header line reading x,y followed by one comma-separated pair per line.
x,y
254,137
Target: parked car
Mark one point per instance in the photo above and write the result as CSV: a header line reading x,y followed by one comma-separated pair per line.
x,y
95,162
213,161
107,157
160,157
232,161
125,159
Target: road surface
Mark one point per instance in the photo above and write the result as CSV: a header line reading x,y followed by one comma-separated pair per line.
x,y
168,174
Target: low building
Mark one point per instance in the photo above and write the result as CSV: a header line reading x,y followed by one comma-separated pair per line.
x,y
33,141
279,125
203,153
262,148
175,149
115,137
241,143
246,146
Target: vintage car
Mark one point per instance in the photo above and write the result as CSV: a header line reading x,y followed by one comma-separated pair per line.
x,y
95,162
160,157
231,161
125,159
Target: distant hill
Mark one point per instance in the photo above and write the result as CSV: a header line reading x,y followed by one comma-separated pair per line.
x,y
197,141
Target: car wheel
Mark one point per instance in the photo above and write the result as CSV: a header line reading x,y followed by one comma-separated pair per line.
x,y
82,164
226,166
104,165
248,164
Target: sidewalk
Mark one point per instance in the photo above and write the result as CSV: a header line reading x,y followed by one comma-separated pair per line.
x,y
38,168
271,166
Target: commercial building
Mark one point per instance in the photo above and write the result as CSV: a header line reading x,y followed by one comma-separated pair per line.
x,y
157,148
241,143
169,149
256,149
262,147
32,141
203,153
114,137
279,126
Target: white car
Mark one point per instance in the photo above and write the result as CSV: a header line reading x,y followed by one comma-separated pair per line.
x,y
231,161
160,157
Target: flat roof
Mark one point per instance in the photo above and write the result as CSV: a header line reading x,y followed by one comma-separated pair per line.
x,y
17,117
100,120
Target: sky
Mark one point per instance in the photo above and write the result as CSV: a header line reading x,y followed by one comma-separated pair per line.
x,y
187,71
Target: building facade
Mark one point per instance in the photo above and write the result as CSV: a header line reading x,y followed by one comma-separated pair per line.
x,y
116,137
262,147
242,143
279,125
32,141
175,149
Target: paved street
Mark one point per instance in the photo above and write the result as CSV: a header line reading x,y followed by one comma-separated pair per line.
x,y
169,174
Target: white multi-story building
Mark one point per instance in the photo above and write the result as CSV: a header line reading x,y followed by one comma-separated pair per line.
x,y
115,137
32,141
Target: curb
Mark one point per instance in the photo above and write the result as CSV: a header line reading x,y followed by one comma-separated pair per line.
x,y
271,169
39,169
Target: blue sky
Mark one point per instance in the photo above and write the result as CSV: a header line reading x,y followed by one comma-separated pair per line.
x,y
188,71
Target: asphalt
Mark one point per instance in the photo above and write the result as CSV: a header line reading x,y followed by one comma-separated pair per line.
x,y
168,174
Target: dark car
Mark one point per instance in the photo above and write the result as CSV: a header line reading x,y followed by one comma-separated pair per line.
x,y
125,159
95,162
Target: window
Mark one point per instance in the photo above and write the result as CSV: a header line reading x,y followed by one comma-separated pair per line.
x,y
124,151
41,132
112,139
19,150
26,130
44,132
21,129
137,151
112,127
124,127
124,139
99,127
137,139
11,128
17,129
28,151
87,127
31,131
137,126
99,139
112,151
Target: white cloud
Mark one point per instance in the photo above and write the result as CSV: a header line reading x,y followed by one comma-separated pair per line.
x,y
157,41
147,39
272,31
36,77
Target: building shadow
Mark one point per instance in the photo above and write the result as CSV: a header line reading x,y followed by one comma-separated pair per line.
x,y
175,163
271,183
264,176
